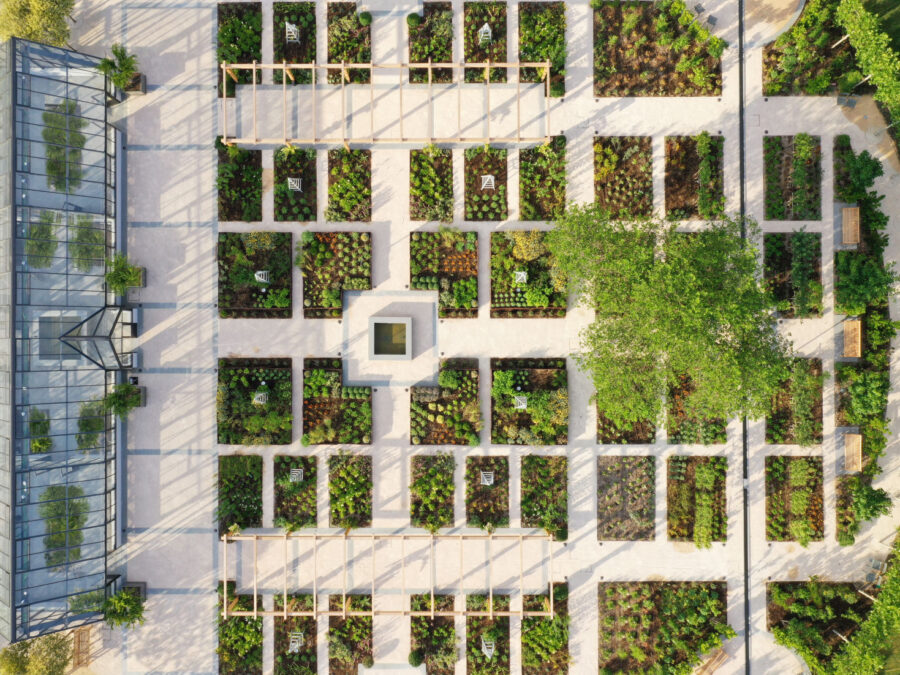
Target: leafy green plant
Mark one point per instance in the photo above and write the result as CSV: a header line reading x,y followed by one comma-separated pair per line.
x,y
124,609
349,184
431,38
542,37
350,639
694,183
350,490
478,50
544,494
861,280
623,176
485,202
239,183
238,40
542,180
295,498
711,195
64,510
41,242
240,256
63,143
332,262
544,385
242,417
124,398
696,500
431,491
121,68
446,261
431,184
290,658
39,431
240,492
91,423
45,655
333,413
545,641
121,274
240,646
433,640
303,16
543,292
295,205
487,506
87,243
495,630
349,41
795,194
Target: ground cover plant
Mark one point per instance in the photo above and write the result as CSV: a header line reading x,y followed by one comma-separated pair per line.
x,y
544,419
332,262
485,199
654,49
239,183
431,491
303,16
525,279
241,293
542,180
446,261
64,511
793,269
350,639
542,37
238,40
684,427
433,640
431,183
450,413
349,41
240,492
793,177
626,498
253,402
545,499
630,433
694,176
695,499
295,491
291,659
240,646
349,183
332,412
295,201
796,415
431,38
480,629
656,626
545,641
623,175
794,499
41,240
350,490
481,47
487,506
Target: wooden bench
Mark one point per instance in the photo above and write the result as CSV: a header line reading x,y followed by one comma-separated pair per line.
x,y
712,664
852,453
81,654
853,338
850,226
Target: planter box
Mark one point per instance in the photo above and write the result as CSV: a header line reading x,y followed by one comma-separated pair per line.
x,y
138,85
137,587
143,402
143,282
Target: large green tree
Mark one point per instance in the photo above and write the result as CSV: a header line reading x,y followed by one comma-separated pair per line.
x,y
670,304
40,20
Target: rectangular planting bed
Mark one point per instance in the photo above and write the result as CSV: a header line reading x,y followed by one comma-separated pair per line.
x,y
529,402
349,640
291,47
255,275
446,261
794,499
431,491
695,499
793,177
239,183
684,428
349,185
796,416
431,184
240,492
333,413
542,180
483,629
637,433
295,636
545,641
432,39
545,498
332,262
487,492
793,269
626,498
238,40
295,491
542,37
295,184
350,490
694,177
240,638
623,175
433,640
254,402
480,45
525,282
450,413
485,182
349,41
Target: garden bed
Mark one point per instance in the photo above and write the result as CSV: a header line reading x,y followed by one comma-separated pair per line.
x,y
796,415
295,492
303,16
623,175
643,626
431,491
794,499
240,492
542,37
525,281
477,50
683,428
293,204
626,498
431,184
793,270
545,498
432,39
350,490
349,184
654,49
240,647
793,177
332,412
332,262
483,201
349,640
349,41
450,413
694,177
545,641
238,40
446,261
241,293
303,660
545,418
433,640
487,506
243,417
482,628
239,183
542,180
695,499
640,433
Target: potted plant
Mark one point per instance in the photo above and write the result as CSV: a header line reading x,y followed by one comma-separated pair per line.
x,y
122,275
124,398
125,609
122,70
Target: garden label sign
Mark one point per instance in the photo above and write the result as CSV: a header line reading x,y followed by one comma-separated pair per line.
x,y
485,37
487,182
291,33
296,640
260,398
487,648
262,276
520,277
296,475
520,402
487,478
295,184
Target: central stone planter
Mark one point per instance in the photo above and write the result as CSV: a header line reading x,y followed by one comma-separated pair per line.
x,y
390,338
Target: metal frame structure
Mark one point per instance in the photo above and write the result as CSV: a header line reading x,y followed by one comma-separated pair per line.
x,y
346,536
459,69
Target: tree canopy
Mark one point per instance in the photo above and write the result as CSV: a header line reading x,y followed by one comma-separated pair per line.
x,y
38,20
671,304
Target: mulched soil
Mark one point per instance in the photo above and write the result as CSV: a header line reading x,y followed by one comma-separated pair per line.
x,y
438,75
782,415
302,15
815,513
640,433
626,498
285,663
682,168
628,189
361,54
485,164
475,15
487,503
680,503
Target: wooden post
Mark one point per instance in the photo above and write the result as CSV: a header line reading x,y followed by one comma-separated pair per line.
x,y
225,577
284,101
522,575
840,41
487,73
315,85
372,604
284,602
255,134
343,106
490,557
254,543
224,106
550,556
430,102
547,100
432,575
316,575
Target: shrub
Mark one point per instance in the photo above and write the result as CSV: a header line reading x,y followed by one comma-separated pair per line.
x,y
121,68
122,399
125,609
121,274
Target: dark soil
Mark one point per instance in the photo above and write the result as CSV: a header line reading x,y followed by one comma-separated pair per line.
x,y
781,490
287,663
475,15
232,209
240,295
558,662
302,15
300,509
626,498
293,205
627,188
487,504
360,52
486,164
640,433
421,32
680,503
782,415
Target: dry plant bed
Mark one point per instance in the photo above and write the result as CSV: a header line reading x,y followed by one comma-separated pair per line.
x,y
295,500
295,205
349,186
796,415
543,293
654,49
544,383
640,433
239,183
349,41
487,506
496,631
794,499
695,499
626,498
332,262
793,177
623,175
487,203
683,428
446,261
475,15
333,413
350,639
432,39
350,490
241,421
303,661
545,496
431,491
240,256
433,641
431,184
793,270
542,37
449,414
302,15
694,176
542,180
238,40
545,641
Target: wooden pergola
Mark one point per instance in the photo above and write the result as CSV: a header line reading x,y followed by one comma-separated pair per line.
x,y
320,74
313,538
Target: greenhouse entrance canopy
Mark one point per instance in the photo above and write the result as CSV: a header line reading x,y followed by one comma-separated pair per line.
x,y
101,337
